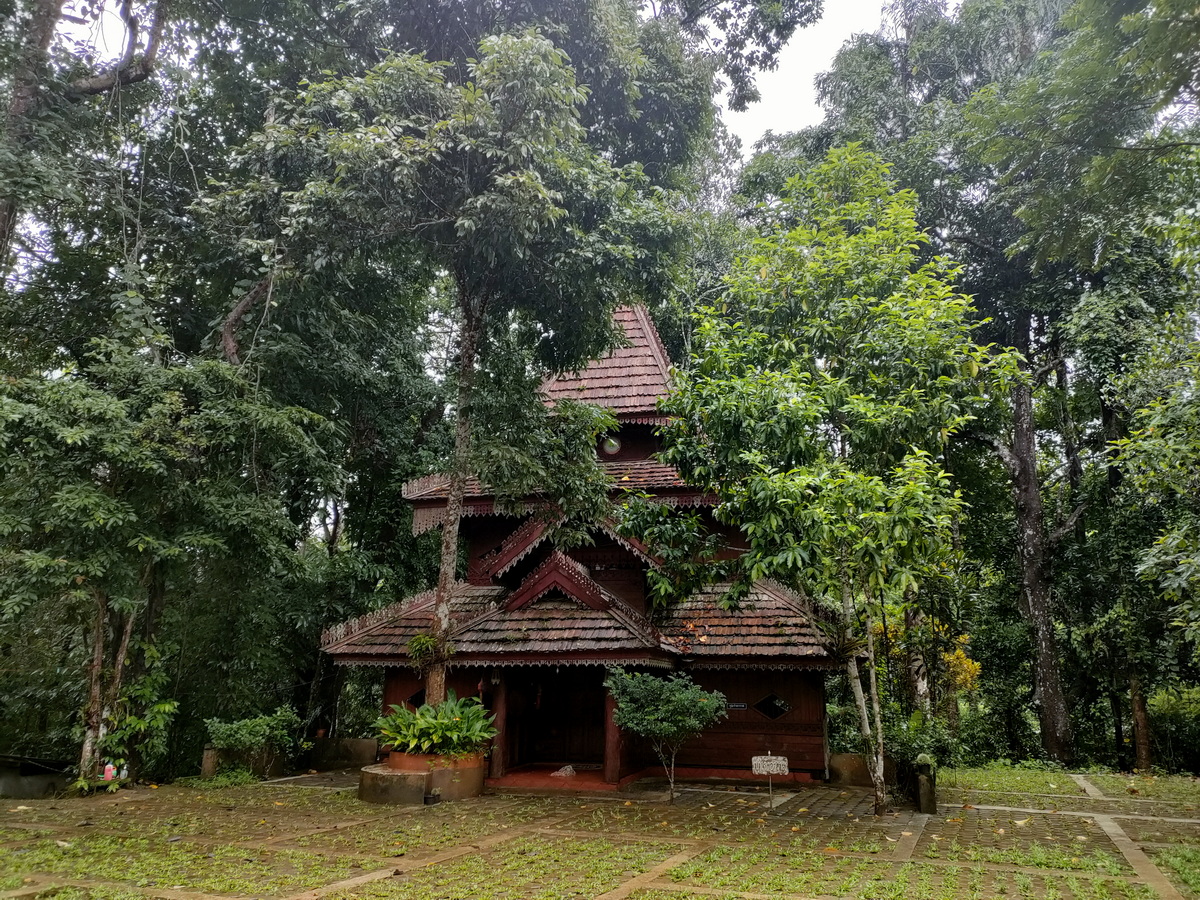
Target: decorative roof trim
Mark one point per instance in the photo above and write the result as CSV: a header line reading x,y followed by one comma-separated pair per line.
x,y
817,664
466,662
516,546
633,545
561,572
641,419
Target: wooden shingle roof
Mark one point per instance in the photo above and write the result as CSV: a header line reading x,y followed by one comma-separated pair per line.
x,y
773,626
629,380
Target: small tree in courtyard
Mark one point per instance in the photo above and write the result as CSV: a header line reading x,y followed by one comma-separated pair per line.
x,y
668,712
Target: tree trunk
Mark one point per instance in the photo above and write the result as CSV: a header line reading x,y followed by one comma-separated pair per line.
x,y
1114,702
1143,758
874,760
1035,584
93,716
918,671
877,770
472,328
27,74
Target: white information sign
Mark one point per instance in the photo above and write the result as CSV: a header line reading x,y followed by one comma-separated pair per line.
x,y
769,765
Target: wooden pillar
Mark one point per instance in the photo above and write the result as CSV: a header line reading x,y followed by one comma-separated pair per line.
x,y
614,746
499,760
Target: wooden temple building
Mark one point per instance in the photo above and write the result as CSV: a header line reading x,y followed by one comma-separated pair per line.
x,y
534,628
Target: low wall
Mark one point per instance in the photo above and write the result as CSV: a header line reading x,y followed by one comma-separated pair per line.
x,y
33,779
342,753
851,769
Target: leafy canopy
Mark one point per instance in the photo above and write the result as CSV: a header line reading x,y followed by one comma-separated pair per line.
x,y
826,385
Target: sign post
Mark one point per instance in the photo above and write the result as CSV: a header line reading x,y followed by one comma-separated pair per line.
x,y
770,766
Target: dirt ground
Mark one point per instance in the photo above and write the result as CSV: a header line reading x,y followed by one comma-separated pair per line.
x,y
998,834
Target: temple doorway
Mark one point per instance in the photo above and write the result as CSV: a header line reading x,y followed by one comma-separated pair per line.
x,y
556,716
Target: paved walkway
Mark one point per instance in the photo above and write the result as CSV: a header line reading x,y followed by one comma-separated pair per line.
x,y
311,838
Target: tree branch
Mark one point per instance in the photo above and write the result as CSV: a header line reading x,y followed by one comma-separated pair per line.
x,y
229,326
1006,453
126,71
1068,523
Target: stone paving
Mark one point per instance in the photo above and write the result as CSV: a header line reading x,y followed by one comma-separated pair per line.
x,y
1056,837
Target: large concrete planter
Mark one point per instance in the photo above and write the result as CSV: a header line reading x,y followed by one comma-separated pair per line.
x,y
450,777
342,753
383,784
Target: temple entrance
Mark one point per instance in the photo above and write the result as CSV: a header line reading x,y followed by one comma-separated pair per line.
x,y
556,716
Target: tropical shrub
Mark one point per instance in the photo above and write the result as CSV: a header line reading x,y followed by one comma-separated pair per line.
x,y
278,731
453,727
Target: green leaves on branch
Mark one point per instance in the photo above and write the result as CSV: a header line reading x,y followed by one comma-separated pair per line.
x,y
825,386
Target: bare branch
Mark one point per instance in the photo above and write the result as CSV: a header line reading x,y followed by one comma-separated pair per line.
x,y
229,326
126,71
1067,524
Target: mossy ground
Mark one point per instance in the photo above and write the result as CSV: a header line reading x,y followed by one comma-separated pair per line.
x,y
283,839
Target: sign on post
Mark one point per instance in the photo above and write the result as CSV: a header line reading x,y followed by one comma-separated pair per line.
x,y
769,766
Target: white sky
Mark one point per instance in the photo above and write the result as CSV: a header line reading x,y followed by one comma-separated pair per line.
x,y
789,100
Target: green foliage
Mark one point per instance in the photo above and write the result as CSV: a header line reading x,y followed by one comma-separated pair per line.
x,y
453,727
424,650
823,387
1082,165
279,731
140,723
921,735
668,712
237,776
1175,728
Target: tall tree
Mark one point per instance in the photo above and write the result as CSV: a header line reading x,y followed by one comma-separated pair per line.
x,y
491,182
822,391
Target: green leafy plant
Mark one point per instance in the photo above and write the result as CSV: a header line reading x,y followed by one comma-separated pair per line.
x,y
668,712
453,727
278,731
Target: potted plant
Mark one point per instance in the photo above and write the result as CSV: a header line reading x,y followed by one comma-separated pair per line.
x,y
448,740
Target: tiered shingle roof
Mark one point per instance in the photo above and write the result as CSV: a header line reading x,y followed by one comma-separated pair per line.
x,y
772,626
629,380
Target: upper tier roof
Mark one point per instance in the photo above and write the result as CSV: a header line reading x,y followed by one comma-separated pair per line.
x,y
629,380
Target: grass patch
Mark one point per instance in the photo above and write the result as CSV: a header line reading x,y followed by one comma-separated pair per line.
x,y
154,863
230,778
16,834
98,892
1006,778
1184,864
1035,856
427,828
1171,788
530,868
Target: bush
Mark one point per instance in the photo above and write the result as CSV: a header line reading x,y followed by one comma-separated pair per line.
x,y
665,711
1175,728
919,734
278,731
451,728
